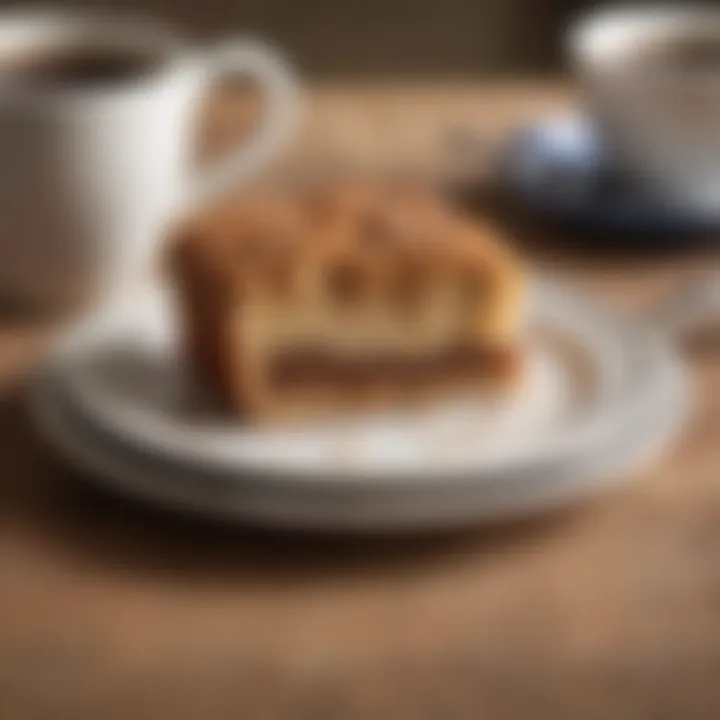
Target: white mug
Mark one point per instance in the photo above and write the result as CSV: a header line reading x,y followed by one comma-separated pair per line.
x,y
91,175
661,125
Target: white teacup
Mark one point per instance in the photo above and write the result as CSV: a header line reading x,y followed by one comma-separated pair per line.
x,y
91,172
658,114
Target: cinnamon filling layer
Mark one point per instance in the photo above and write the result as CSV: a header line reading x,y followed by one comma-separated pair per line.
x,y
319,369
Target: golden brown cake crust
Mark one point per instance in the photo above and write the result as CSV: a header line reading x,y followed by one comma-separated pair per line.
x,y
336,280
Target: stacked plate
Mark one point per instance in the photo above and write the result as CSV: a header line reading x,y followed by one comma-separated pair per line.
x,y
601,395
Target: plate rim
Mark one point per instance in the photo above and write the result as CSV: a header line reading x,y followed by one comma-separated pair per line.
x,y
324,517
552,292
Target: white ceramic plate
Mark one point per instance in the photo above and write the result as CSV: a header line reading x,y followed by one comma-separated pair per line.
x,y
283,502
124,374
599,395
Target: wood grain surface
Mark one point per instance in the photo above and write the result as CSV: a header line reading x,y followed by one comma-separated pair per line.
x,y
610,610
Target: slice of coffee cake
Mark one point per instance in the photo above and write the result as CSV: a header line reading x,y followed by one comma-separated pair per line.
x,y
348,298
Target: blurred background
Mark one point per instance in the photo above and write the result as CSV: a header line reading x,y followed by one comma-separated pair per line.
x,y
111,610
328,38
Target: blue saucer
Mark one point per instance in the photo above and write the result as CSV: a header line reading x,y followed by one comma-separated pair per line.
x,y
557,168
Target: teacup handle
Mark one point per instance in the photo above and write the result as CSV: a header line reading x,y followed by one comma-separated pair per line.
x,y
254,59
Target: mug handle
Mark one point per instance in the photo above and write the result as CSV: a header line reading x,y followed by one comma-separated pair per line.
x,y
280,94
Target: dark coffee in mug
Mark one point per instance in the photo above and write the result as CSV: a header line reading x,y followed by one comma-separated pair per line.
x,y
74,66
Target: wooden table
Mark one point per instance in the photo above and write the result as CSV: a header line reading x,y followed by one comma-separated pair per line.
x,y
610,610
